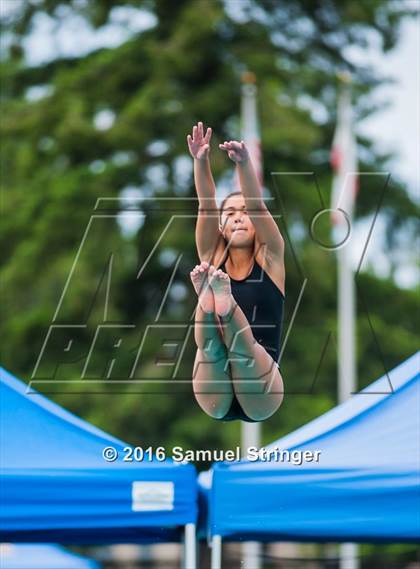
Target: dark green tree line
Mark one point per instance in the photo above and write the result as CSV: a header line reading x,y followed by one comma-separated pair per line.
x,y
58,160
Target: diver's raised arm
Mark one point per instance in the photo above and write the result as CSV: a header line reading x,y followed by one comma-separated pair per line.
x,y
266,228
207,234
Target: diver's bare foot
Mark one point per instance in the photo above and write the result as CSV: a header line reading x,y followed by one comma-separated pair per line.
x,y
200,282
220,283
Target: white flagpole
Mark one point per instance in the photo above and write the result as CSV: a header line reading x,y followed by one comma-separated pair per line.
x,y
346,362
346,327
251,432
347,383
250,131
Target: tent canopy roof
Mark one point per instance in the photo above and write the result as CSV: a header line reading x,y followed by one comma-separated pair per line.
x,y
364,487
57,485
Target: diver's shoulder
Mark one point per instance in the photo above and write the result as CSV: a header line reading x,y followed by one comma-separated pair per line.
x,y
274,268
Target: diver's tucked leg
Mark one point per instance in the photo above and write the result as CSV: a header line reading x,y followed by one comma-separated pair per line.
x,y
256,380
211,374
212,383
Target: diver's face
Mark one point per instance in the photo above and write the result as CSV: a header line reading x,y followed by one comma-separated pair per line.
x,y
236,225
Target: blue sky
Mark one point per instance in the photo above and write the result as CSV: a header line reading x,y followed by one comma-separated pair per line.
x,y
398,127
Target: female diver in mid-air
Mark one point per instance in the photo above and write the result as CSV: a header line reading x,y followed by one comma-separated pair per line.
x,y
240,285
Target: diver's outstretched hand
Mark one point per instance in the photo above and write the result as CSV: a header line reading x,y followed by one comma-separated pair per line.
x,y
237,151
199,144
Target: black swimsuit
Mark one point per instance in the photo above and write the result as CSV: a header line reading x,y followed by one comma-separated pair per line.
x,y
262,303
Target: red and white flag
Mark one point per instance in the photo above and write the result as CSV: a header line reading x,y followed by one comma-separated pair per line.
x,y
344,161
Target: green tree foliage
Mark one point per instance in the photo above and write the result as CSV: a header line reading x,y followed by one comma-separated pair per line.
x,y
116,119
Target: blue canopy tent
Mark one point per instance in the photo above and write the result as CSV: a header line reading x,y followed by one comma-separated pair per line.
x,y
57,487
365,486
41,556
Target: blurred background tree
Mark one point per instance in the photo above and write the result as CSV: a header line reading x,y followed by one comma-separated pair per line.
x,y
111,122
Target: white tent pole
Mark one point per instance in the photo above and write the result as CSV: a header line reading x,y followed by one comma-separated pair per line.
x,y
252,551
349,556
190,561
216,552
